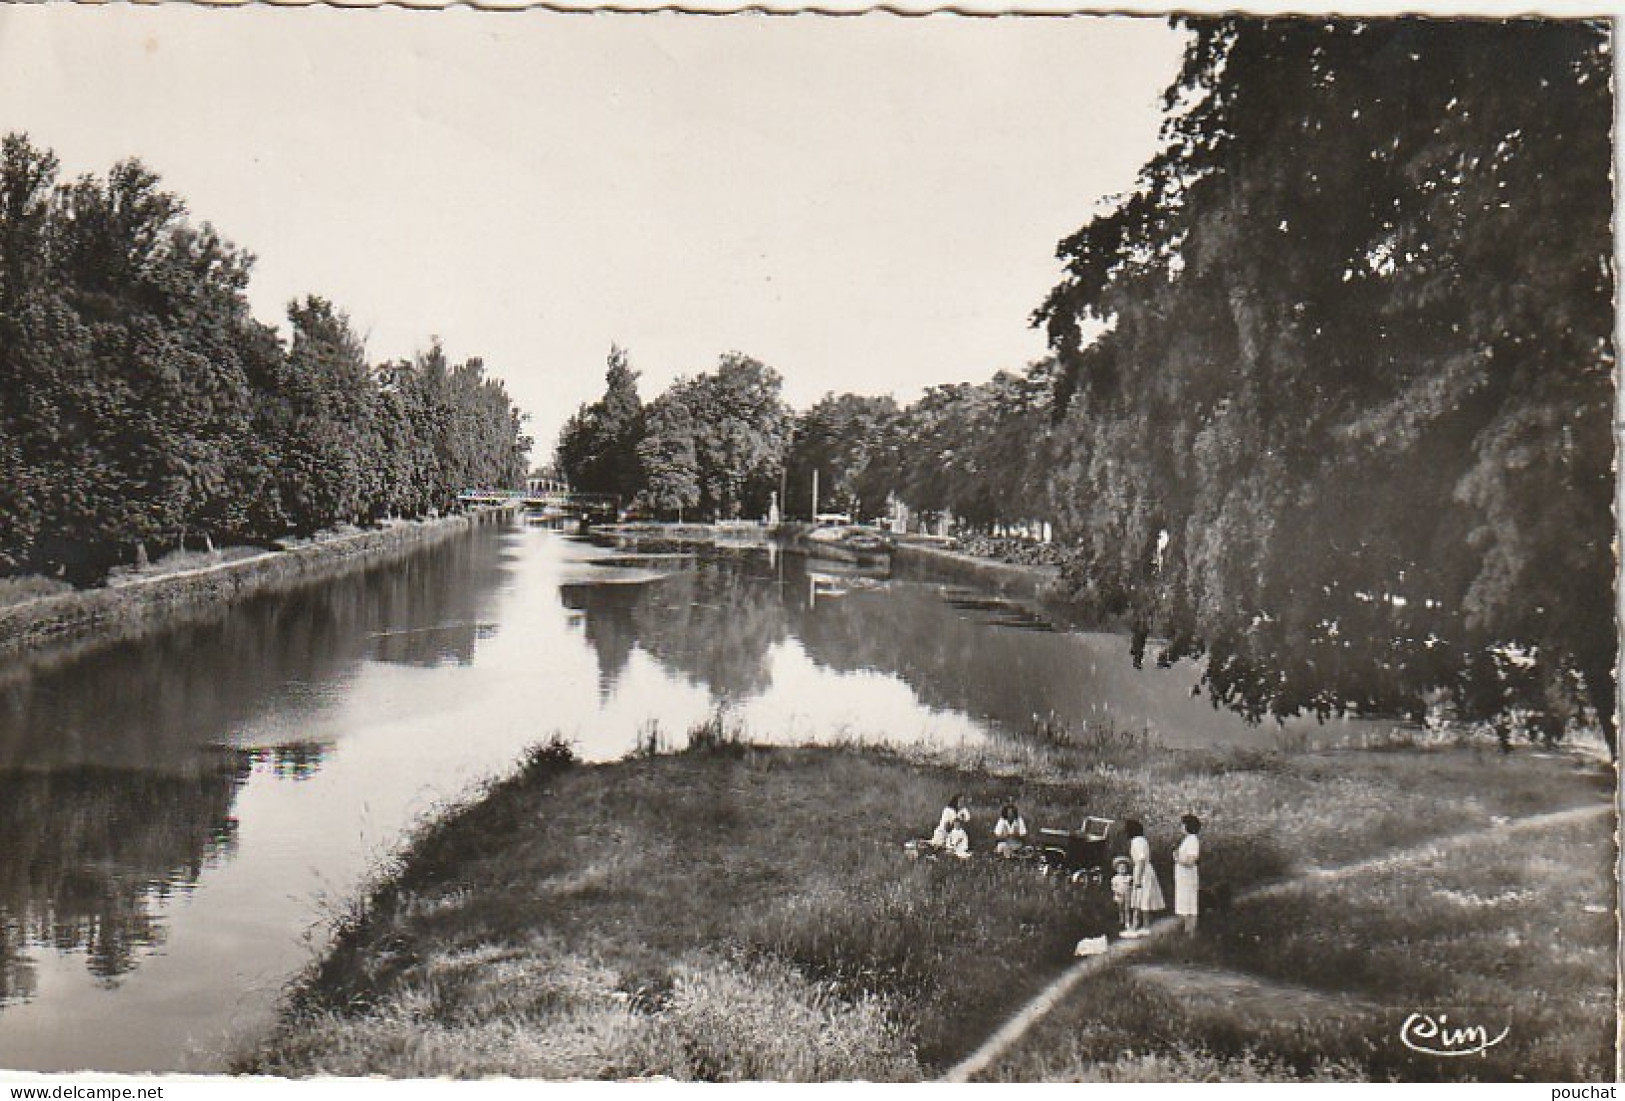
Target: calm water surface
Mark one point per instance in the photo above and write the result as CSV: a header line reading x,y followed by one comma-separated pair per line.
x,y
179,818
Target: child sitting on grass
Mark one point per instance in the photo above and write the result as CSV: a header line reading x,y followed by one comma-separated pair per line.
x,y
1122,889
958,841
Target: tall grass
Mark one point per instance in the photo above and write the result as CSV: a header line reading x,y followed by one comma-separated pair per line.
x,y
494,1012
720,733
649,741
717,733
21,590
1101,741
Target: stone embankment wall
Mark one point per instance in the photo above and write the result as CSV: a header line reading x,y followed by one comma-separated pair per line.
x,y
71,622
1005,578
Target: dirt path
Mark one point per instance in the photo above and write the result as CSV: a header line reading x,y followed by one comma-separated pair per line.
x,y
1243,995
1036,1009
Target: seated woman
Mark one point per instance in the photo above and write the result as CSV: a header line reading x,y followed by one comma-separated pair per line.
x,y
955,813
1010,832
954,816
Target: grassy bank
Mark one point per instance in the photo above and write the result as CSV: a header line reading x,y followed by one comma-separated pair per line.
x,y
735,912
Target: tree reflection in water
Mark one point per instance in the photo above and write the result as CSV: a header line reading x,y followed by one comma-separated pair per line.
x,y
90,851
716,622
609,624
116,785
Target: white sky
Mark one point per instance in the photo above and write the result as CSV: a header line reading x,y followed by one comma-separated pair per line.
x,y
867,204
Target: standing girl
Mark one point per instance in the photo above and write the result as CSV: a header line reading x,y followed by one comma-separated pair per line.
x,y
1187,881
1146,895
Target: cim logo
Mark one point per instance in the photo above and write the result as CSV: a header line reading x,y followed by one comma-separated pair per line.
x,y
1437,1035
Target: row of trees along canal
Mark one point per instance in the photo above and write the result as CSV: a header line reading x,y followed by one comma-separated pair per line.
x,y
1343,425
142,405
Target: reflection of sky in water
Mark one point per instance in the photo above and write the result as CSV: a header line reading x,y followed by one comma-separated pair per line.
x,y
807,702
194,806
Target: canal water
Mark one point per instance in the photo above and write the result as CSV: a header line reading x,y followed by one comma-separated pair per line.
x,y
181,819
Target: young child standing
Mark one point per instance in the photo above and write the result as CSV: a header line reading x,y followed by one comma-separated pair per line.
x,y
1122,889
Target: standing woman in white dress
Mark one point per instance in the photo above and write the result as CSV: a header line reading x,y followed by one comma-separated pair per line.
x,y
1187,881
1146,895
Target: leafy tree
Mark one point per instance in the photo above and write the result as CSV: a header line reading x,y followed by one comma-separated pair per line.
x,y
27,180
741,426
142,405
598,446
326,436
1347,431
128,401
835,437
980,453
666,454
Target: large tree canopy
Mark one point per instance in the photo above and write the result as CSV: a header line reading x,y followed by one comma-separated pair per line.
x,y
835,440
713,444
141,403
597,450
740,427
1348,431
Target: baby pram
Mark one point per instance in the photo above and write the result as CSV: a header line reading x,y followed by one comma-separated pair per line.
x,y
1081,855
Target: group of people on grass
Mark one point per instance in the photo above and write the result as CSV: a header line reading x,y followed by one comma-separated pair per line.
x,y
1134,882
1137,889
